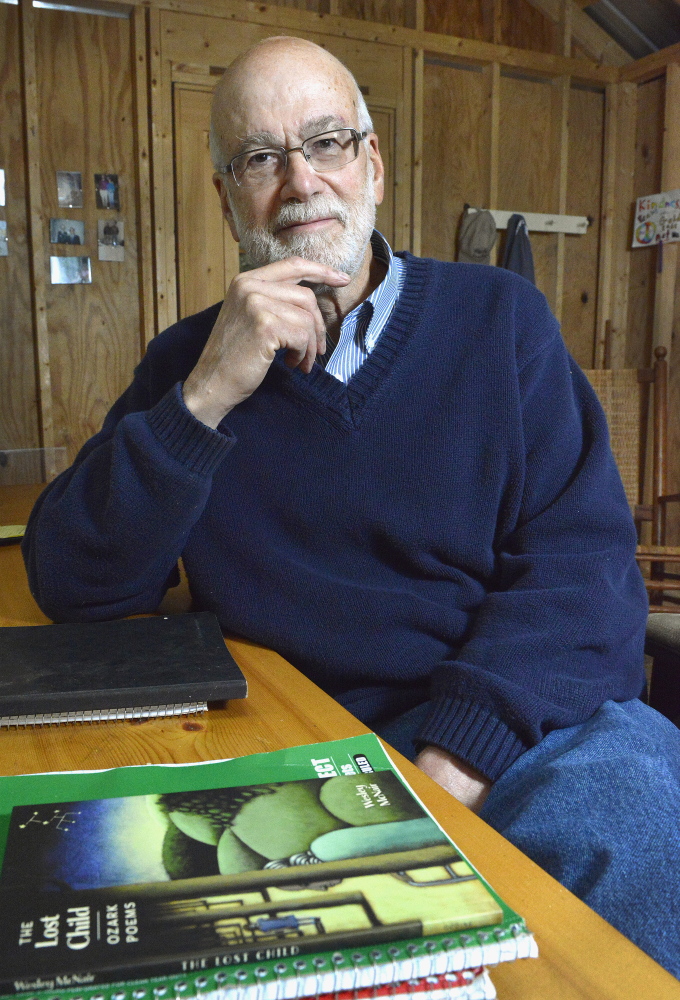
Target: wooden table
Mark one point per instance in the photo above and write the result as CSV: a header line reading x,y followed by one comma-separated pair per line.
x,y
582,956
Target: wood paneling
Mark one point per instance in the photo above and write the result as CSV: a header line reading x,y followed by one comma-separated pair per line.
x,y
283,20
667,298
516,22
313,5
86,101
664,299
207,254
643,260
529,163
456,150
36,226
623,221
607,214
163,175
533,138
525,27
586,122
142,136
673,470
470,19
401,12
18,403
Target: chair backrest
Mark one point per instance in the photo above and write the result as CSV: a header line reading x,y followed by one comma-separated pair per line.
x,y
623,400
624,395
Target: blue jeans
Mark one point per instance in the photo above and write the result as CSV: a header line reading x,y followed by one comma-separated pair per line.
x,y
598,807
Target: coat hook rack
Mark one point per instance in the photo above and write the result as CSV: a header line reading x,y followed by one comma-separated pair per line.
x,y
575,225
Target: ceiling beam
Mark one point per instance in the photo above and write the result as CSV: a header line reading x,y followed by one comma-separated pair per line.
x,y
652,65
594,41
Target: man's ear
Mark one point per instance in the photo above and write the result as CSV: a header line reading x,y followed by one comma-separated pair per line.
x,y
221,186
378,167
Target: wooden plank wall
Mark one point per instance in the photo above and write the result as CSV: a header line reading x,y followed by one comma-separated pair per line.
x,y
18,412
458,145
643,260
509,22
85,95
584,180
491,135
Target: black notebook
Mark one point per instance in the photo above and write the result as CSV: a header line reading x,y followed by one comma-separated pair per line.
x,y
127,669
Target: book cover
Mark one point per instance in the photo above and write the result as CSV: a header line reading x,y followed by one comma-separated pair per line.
x,y
53,673
236,867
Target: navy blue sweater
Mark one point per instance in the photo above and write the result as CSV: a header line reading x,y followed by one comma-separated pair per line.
x,y
448,526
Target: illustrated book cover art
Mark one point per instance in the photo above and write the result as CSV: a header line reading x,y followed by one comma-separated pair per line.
x,y
241,865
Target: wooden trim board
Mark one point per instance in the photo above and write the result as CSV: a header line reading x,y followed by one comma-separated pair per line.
x,y
37,256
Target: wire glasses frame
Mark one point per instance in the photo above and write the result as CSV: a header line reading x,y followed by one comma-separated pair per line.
x,y
324,152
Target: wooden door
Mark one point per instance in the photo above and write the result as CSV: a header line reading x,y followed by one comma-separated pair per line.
x,y
207,254
197,247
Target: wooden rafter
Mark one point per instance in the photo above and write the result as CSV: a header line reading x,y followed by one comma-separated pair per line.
x,y
652,65
593,39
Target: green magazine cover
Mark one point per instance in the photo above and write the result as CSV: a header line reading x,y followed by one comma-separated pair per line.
x,y
276,875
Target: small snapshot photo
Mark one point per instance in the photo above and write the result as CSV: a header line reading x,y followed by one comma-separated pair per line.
x,y
67,231
106,191
70,271
4,245
2,188
69,189
111,239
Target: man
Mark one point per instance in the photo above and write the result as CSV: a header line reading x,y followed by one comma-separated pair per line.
x,y
431,526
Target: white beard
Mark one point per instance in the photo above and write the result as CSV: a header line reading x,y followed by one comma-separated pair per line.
x,y
345,252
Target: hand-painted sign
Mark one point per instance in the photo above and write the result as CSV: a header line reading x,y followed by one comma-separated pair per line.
x,y
657,219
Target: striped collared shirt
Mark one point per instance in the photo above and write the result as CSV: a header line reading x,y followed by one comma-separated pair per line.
x,y
361,328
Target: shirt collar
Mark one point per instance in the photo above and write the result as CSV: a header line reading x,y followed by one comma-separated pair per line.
x,y
382,298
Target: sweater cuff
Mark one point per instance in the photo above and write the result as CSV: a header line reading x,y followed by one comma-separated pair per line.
x,y
195,445
473,733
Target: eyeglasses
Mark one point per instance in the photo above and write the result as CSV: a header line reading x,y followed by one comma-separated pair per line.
x,y
327,151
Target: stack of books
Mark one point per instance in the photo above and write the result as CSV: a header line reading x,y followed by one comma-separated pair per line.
x,y
308,872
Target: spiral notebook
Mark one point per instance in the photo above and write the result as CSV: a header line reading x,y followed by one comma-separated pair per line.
x,y
128,669
313,871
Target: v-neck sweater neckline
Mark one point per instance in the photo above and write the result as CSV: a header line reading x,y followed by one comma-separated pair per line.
x,y
343,402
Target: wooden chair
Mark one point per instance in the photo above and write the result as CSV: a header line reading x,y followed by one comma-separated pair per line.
x,y
625,397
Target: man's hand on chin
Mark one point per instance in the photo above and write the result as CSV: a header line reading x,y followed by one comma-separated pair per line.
x,y
462,781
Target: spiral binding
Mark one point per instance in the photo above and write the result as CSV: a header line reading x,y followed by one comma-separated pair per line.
x,y
105,714
320,974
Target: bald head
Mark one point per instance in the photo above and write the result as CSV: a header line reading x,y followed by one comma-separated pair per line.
x,y
277,79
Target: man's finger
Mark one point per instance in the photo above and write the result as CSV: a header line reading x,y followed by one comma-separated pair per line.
x,y
297,269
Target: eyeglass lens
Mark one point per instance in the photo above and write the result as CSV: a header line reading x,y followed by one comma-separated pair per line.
x,y
327,151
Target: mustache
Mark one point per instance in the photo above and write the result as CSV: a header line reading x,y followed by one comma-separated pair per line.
x,y
321,207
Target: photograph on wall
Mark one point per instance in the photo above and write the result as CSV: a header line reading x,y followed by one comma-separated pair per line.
x,y
70,271
69,189
4,245
2,188
111,239
67,231
106,191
